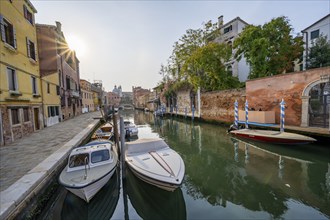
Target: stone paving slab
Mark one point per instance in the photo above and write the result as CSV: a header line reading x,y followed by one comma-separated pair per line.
x,y
19,157
27,158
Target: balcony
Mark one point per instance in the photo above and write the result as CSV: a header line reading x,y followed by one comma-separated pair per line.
x,y
74,94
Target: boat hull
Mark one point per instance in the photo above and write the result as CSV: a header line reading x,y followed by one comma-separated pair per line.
x,y
88,192
155,163
163,185
274,137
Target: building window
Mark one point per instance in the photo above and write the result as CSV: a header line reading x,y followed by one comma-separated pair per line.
x,y
227,29
34,85
315,34
53,111
63,101
26,114
68,86
31,50
69,101
28,15
8,33
57,90
48,88
12,79
15,116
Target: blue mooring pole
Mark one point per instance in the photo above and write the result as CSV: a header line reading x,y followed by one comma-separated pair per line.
x,y
282,115
236,114
246,114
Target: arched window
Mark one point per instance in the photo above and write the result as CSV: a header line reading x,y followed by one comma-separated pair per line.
x,y
319,104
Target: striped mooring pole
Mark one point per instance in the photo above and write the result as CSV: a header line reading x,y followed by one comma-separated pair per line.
x,y
246,114
282,115
236,114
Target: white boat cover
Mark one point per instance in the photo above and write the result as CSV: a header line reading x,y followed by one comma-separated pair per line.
x,y
145,145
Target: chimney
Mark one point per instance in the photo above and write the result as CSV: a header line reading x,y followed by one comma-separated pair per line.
x,y
220,21
58,26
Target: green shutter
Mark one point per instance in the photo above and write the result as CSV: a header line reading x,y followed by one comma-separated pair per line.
x,y
28,47
3,34
25,11
14,35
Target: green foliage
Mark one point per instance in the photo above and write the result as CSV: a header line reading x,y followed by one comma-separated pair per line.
x,y
269,49
198,61
319,53
205,68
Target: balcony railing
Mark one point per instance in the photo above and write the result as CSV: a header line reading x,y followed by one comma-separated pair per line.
x,y
75,94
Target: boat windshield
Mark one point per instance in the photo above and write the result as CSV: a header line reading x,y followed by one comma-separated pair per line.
x,y
78,160
101,155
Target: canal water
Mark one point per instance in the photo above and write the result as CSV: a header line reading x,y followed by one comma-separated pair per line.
x,y
225,179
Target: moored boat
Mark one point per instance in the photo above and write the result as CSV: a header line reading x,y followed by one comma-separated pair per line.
x,y
107,127
275,137
102,206
89,168
99,134
153,161
130,129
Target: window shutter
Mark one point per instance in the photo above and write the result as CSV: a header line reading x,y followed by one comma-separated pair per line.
x,y
3,34
35,52
25,11
15,42
28,47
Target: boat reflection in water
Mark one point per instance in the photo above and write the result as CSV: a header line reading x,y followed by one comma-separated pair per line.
x,y
292,175
102,206
151,202
256,180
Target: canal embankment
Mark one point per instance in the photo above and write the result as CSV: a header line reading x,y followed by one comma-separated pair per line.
x,y
28,164
322,135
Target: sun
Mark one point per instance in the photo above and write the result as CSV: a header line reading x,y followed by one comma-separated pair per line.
x,y
75,43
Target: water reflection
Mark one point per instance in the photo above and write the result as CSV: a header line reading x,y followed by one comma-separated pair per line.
x,y
150,202
102,206
260,181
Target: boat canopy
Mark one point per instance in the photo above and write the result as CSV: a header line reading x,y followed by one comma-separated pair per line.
x,y
145,145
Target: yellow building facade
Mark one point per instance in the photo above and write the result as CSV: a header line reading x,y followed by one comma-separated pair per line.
x,y
20,85
51,99
87,96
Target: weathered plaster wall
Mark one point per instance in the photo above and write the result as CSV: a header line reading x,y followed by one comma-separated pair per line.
x,y
267,93
219,105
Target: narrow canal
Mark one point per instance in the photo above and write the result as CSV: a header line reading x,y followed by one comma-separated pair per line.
x,y
225,179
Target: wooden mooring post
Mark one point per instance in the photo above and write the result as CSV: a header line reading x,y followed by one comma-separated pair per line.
x,y
122,146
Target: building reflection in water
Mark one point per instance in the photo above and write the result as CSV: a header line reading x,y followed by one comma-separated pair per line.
x,y
264,179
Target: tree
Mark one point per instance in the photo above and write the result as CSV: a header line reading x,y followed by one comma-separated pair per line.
x,y
196,59
205,68
269,49
319,53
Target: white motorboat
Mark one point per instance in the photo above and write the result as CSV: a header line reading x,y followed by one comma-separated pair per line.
x,y
153,161
89,168
100,134
130,129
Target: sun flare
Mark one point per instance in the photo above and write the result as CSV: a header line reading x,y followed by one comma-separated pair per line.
x,y
75,43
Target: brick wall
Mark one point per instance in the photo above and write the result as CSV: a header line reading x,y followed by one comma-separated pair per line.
x,y
219,105
267,93
11,133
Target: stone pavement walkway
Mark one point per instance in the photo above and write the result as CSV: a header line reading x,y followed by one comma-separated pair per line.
x,y
19,157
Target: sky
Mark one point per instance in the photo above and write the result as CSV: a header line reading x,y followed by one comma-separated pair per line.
x,y
125,42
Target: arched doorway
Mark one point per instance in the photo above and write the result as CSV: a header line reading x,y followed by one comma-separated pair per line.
x,y
316,104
